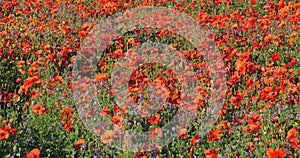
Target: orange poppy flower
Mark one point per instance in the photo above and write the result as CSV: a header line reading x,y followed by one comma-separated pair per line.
x,y
46,47
154,121
244,56
100,77
293,38
39,109
116,120
254,118
66,111
267,94
254,127
20,64
214,135
34,153
291,134
68,127
240,67
292,137
29,82
4,122
275,119
211,153
82,34
182,133
34,93
268,38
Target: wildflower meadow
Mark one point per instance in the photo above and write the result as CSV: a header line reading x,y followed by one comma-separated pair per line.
x,y
149,78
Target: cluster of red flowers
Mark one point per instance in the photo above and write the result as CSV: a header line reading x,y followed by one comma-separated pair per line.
x,y
67,118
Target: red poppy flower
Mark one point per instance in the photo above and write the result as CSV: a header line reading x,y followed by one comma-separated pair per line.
x,y
79,143
276,56
195,139
237,99
268,94
9,129
34,153
275,119
291,63
141,155
4,134
277,153
104,112
254,118
291,134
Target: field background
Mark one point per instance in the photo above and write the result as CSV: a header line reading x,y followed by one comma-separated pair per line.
x,y
258,42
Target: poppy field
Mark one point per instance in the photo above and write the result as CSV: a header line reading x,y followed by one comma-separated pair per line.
x,y
44,113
